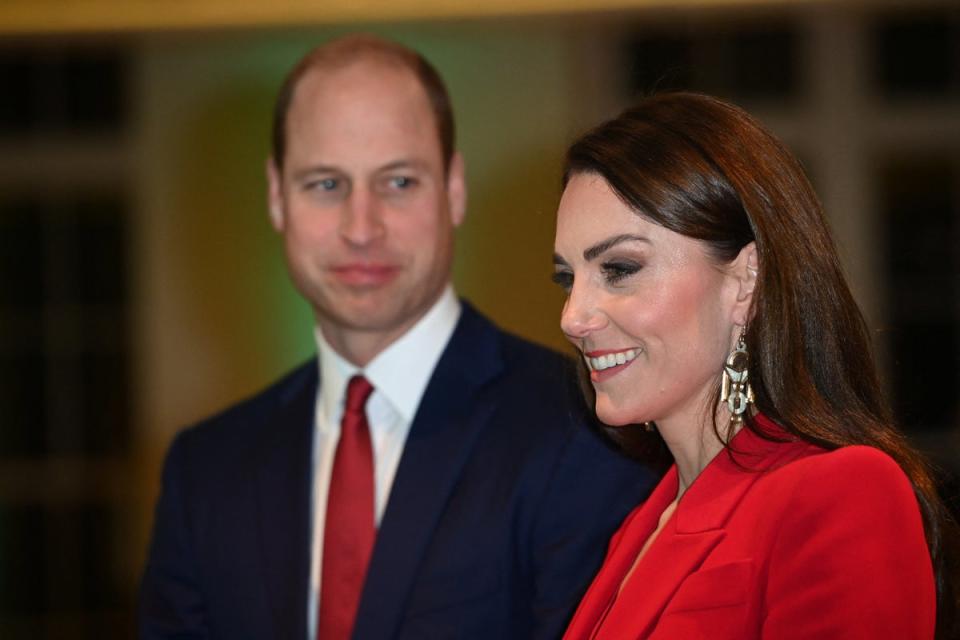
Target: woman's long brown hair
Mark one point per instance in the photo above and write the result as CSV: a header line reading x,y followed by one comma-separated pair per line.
x,y
707,170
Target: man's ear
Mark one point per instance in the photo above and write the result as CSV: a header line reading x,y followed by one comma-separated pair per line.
x,y
275,195
457,189
745,269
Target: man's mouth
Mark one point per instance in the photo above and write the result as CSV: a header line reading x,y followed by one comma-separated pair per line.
x,y
364,274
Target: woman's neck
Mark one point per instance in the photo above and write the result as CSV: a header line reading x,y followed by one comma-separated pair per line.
x,y
694,445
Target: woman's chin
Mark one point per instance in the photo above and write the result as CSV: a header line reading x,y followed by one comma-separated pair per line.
x,y
612,417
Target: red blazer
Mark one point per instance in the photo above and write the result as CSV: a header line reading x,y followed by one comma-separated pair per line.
x,y
801,543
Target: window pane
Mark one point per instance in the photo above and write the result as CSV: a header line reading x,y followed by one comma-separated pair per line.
x,y
659,63
748,62
18,109
24,568
101,249
917,54
52,88
105,410
59,576
94,90
922,275
764,63
23,405
22,252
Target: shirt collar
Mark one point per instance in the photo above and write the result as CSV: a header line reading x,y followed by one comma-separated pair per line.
x,y
401,371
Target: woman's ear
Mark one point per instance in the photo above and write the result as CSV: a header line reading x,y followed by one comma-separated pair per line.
x,y
745,269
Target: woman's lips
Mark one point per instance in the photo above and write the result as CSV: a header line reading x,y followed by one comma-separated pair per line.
x,y
606,363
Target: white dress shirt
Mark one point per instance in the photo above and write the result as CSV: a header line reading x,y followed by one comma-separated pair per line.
x,y
399,375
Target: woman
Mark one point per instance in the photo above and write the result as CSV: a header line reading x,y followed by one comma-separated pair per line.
x,y
707,299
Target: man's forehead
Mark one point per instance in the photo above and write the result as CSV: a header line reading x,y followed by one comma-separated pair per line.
x,y
362,110
361,78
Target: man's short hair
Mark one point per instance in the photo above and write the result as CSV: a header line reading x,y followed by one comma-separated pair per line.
x,y
348,49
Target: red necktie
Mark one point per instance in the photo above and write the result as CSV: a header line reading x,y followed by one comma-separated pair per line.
x,y
349,530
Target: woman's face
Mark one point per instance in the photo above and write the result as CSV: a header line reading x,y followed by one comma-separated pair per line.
x,y
651,312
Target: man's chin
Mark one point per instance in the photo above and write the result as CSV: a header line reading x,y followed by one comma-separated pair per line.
x,y
367,318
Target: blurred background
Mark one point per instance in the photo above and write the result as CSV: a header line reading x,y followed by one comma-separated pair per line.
x,y
141,286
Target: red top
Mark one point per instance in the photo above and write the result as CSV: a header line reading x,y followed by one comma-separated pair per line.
x,y
780,541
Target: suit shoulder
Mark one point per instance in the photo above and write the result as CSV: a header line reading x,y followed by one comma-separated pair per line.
x,y
534,389
525,369
543,377
523,354
514,348
248,416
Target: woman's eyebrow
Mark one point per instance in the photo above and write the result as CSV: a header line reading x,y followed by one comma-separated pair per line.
x,y
605,245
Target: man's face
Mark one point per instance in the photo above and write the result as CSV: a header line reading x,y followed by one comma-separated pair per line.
x,y
364,204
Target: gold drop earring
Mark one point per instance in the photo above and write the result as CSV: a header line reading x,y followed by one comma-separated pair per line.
x,y
735,389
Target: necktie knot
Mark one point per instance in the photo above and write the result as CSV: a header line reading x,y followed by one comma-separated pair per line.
x,y
358,392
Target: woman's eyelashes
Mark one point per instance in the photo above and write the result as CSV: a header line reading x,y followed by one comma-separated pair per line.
x,y
615,271
564,279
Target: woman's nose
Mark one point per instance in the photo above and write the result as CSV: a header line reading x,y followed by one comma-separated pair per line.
x,y
581,315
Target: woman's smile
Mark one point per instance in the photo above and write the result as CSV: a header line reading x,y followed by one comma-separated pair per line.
x,y
639,291
604,364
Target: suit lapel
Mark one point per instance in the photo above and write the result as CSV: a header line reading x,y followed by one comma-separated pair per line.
x,y
441,438
283,502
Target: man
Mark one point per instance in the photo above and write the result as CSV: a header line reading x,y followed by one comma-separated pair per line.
x,y
428,476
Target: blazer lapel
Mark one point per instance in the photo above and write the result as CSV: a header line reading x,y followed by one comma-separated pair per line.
x,y
696,528
441,438
283,502
670,559
624,548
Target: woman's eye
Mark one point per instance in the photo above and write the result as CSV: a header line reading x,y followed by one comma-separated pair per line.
x,y
616,271
564,279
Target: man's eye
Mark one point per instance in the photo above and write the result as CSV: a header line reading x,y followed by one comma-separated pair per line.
x,y
324,185
401,182
392,186
564,279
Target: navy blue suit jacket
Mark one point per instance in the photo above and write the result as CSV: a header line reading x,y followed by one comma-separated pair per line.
x,y
499,515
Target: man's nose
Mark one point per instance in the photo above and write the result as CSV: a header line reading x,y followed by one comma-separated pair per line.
x,y
361,221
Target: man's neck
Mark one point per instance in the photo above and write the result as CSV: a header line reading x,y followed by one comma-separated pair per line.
x,y
360,347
